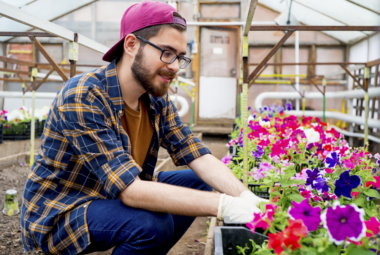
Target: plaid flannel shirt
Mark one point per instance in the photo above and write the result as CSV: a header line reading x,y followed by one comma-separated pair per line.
x,y
85,155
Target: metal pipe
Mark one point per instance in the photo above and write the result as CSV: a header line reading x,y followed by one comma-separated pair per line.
x,y
233,23
297,67
372,123
352,134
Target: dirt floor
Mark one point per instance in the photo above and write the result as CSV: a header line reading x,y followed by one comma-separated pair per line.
x,y
13,177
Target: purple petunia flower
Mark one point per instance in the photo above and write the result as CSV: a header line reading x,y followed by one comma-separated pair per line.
x,y
270,115
311,216
258,153
332,160
265,108
249,108
288,106
281,109
254,115
309,146
261,110
312,176
378,162
346,221
321,184
345,184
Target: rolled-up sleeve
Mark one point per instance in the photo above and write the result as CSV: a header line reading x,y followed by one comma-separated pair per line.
x,y
87,125
179,141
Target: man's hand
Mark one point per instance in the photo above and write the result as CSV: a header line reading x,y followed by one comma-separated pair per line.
x,y
253,198
236,208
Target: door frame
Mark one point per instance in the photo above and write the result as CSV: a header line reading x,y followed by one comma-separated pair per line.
x,y
196,70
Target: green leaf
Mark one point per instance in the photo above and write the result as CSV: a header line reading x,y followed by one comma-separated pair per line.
x,y
308,251
356,190
284,183
356,251
296,197
331,250
297,181
289,174
360,201
372,193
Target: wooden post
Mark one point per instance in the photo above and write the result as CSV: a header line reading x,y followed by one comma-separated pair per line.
x,y
73,55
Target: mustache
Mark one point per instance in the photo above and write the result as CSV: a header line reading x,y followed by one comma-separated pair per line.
x,y
168,74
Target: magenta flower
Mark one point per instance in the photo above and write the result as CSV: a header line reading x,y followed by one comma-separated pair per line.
x,y
261,220
301,176
311,216
227,159
346,221
297,136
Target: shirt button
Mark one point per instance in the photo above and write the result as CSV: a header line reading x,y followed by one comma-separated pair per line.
x,y
84,206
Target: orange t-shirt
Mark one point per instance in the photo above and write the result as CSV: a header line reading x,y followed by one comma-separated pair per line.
x,y
139,129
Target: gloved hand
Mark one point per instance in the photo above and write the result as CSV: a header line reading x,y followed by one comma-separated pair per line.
x,y
252,197
236,208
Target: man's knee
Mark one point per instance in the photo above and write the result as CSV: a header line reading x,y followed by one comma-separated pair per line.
x,y
152,237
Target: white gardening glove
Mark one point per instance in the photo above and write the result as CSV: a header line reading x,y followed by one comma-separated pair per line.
x,y
236,208
252,197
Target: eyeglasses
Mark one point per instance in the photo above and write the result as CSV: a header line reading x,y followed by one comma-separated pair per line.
x,y
168,56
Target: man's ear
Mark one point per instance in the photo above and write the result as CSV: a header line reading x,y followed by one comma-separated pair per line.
x,y
131,45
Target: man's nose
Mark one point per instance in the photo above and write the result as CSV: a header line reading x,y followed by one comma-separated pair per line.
x,y
174,66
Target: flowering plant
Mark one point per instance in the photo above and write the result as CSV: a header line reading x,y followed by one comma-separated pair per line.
x,y
323,192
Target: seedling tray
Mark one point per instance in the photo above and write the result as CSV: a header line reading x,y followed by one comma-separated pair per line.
x,y
20,131
227,238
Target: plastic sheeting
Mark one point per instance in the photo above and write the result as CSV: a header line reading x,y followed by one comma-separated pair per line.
x,y
46,9
332,13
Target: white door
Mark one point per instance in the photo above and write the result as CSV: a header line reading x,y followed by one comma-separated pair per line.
x,y
217,83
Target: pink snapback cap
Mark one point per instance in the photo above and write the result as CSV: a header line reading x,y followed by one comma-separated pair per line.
x,y
142,15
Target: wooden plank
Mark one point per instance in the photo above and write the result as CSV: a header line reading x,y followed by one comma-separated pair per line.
x,y
36,34
45,78
196,66
210,238
49,58
26,84
374,62
313,28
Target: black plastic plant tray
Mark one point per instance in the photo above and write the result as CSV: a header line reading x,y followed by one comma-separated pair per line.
x,y
22,131
227,238
1,133
259,191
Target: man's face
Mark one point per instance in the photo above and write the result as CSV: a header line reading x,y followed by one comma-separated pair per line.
x,y
154,75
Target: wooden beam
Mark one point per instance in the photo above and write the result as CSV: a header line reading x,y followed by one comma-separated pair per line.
x,y
313,28
270,54
45,78
353,77
49,58
36,34
26,84
14,71
17,61
257,76
372,63
313,83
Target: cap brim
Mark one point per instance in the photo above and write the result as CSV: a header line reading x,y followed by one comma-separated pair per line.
x,y
114,52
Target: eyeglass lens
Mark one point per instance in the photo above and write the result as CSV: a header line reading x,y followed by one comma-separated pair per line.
x,y
169,57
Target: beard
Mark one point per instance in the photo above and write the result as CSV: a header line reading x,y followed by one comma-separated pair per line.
x,y
146,78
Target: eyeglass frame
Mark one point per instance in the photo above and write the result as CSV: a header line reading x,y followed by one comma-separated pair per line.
x,y
162,53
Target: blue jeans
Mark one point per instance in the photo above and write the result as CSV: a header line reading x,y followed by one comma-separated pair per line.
x,y
135,231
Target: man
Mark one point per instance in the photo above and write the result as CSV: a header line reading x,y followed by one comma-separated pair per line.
x,y
92,185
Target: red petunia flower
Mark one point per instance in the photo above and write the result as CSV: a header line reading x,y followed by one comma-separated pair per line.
x,y
375,184
289,238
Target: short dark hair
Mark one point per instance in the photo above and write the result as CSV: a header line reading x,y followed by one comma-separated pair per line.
x,y
148,32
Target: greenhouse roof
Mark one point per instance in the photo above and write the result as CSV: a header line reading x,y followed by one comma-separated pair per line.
x,y
332,13
45,9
